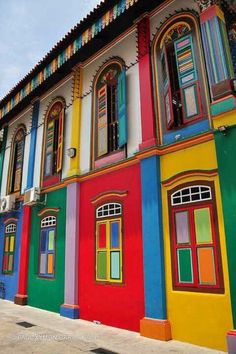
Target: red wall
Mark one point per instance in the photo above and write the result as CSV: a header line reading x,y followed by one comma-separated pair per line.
x,y
119,305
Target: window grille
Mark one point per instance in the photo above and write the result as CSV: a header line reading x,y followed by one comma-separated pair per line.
x,y
191,194
48,221
10,228
109,209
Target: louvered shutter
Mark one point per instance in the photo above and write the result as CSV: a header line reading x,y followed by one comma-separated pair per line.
x,y
167,90
60,140
187,75
49,149
122,109
102,121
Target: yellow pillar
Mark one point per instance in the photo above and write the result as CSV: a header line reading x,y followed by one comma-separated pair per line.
x,y
76,122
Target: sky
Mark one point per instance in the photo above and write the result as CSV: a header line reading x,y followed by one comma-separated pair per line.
x,y
29,29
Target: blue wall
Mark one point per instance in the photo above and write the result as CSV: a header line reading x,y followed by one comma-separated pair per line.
x,y
11,281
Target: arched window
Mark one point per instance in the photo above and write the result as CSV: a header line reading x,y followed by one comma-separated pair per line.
x,y
53,153
9,249
109,243
196,261
179,75
17,159
110,110
47,247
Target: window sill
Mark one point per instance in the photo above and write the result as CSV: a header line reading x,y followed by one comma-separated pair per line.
x,y
109,159
50,181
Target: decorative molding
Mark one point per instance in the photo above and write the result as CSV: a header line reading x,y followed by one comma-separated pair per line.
x,y
204,4
108,195
48,211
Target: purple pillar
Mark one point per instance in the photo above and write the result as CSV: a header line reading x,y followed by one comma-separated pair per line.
x,y
70,308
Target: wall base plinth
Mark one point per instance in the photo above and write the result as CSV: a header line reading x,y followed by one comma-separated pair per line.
x,y
21,299
70,311
155,329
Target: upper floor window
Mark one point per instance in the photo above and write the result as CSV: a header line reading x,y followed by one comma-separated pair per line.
x,y
110,110
9,249
16,162
196,262
109,243
53,151
179,75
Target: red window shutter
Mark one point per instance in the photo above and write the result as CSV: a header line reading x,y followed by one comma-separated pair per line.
x,y
102,120
60,140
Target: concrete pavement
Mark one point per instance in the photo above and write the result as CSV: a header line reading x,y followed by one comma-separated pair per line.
x,y
53,334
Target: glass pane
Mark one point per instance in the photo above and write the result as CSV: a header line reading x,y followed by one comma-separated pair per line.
x,y
191,101
115,234
115,265
43,241
43,263
10,263
12,242
206,266
182,227
102,236
51,236
203,225
185,265
50,263
102,265
6,243
5,262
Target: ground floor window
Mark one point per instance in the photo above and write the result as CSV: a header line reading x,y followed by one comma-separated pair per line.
x,y
109,243
196,261
9,248
47,247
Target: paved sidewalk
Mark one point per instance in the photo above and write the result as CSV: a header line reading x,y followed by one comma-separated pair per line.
x,y
53,334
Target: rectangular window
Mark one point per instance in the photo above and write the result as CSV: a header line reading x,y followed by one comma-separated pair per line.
x,y
8,253
47,252
194,248
109,251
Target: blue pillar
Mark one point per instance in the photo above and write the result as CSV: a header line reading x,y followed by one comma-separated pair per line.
x,y
155,324
35,115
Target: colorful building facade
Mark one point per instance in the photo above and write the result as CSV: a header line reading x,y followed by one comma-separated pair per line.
x,y
116,161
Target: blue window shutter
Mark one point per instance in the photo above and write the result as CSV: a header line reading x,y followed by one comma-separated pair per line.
x,y
122,109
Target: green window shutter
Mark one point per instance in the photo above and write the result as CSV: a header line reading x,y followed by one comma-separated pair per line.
x,y
102,134
122,109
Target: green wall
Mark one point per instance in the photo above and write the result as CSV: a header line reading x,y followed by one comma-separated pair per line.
x,y
226,156
48,294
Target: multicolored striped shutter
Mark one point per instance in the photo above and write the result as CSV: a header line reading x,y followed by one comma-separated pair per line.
x,y
60,140
49,148
167,90
187,75
102,121
122,109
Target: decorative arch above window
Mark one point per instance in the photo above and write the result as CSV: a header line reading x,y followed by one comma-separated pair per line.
x,y
53,150
17,160
110,117
109,209
178,73
191,194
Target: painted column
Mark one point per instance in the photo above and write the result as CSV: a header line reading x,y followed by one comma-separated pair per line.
x,y
76,122
155,324
216,47
70,308
21,296
146,87
35,115
2,152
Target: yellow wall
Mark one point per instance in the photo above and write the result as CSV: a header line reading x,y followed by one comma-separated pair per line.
x,y
198,318
228,118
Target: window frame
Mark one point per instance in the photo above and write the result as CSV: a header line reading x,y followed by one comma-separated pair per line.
x,y
9,234
119,153
13,157
47,229
55,176
215,244
108,220
196,86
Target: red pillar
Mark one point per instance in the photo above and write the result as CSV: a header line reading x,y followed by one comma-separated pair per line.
x,y
21,296
146,87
